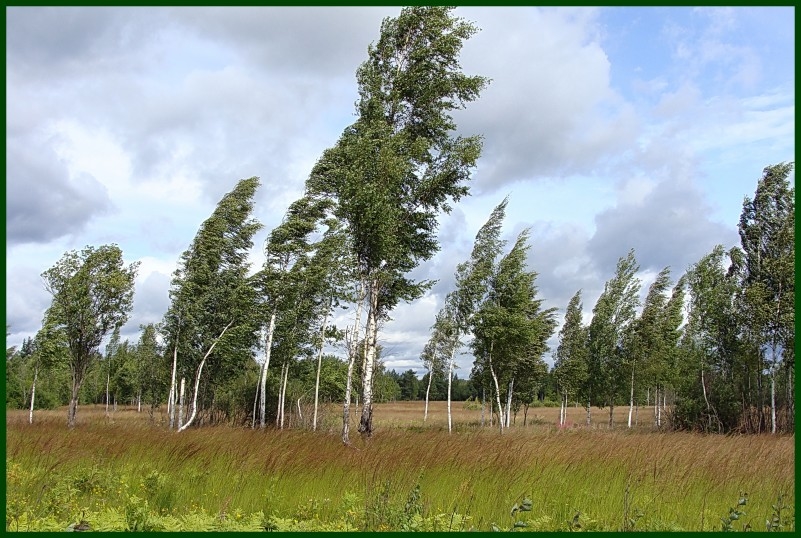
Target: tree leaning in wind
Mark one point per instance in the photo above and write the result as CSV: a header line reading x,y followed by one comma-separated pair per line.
x,y
92,295
766,267
393,171
213,302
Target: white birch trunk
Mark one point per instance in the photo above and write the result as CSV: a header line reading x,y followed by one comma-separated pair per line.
x,y
197,379
279,410
497,396
631,399
428,390
509,403
300,413
108,382
320,365
181,403
171,399
139,401
256,399
268,345
283,396
33,392
562,409
366,422
353,346
589,414
450,381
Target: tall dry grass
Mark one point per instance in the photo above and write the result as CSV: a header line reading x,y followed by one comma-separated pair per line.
x,y
675,480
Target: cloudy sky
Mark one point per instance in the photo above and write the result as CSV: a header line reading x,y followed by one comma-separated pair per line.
x,y
609,128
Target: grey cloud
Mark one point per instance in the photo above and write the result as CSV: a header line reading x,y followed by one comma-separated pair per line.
x,y
49,42
669,227
151,300
25,307
328,41
550,109
43,201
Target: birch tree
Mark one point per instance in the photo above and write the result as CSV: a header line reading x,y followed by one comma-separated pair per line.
x,y
614,311
396,168
92,295
510,327
647,345
766,266
48,349
213,302
570,359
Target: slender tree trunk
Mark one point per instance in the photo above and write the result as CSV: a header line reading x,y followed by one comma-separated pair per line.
x,y
181,403
320,364
268,346
509,403
197,378
706,399
589,415
366,422
428,391
73,408
497,395
171,398
33,392
256,399
283,396
450,381
300,413
139,401
562,409
108,382
631,400
279,412
353,347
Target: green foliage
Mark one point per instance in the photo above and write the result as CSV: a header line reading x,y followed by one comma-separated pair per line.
x,y
92,295
213,304
614,311
735,513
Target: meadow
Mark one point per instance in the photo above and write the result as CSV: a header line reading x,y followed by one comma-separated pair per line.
x,y
125,471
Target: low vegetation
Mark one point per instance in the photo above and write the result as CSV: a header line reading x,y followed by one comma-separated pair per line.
x,y
125,473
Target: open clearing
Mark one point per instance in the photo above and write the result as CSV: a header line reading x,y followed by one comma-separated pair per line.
x,y
124,471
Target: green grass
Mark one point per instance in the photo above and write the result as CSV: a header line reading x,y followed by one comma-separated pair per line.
x,y
128,472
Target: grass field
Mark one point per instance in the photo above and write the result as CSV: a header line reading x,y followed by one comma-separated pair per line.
x,y
124,471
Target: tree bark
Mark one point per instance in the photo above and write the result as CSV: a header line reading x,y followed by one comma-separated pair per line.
x,y
631,400
353,346
509,403
497,396
428,390
33,392
197,378
263,379
450,382
320,364
73,408
366,422
171,398
181,403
